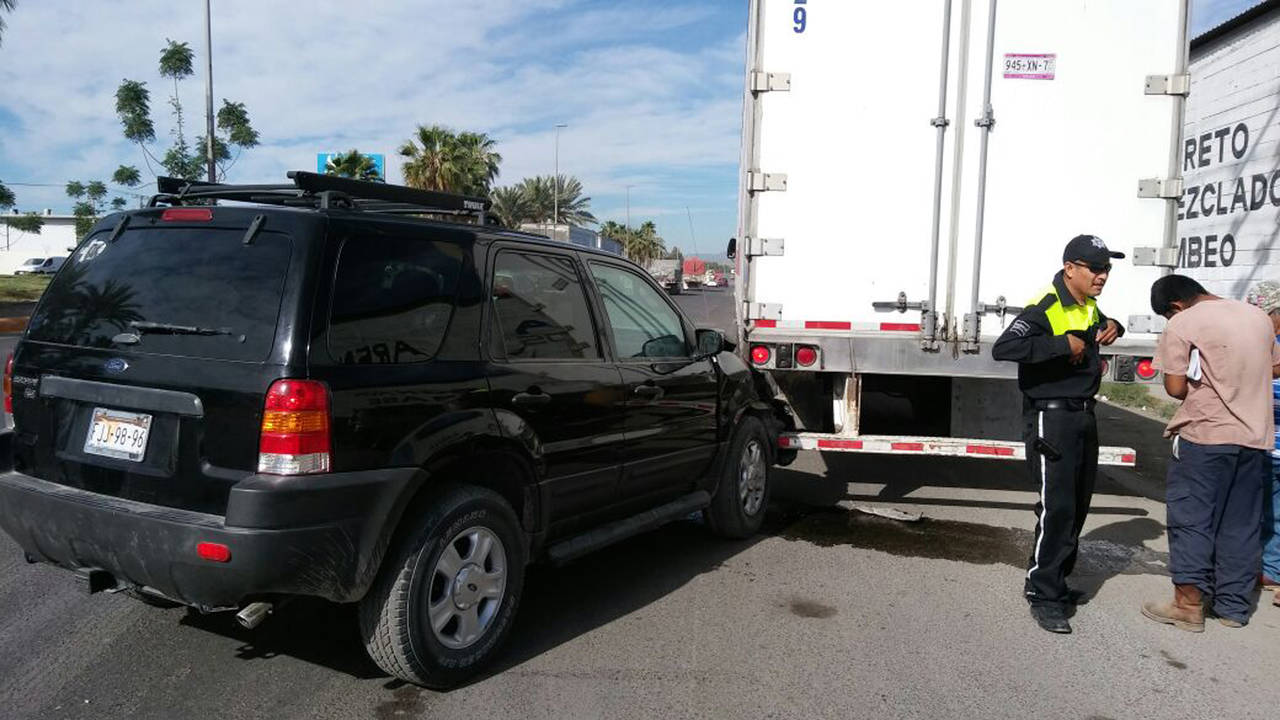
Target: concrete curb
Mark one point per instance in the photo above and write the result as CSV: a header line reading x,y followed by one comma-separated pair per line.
x,y
13,324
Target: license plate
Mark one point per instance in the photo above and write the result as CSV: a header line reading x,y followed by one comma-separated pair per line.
x,y
118,434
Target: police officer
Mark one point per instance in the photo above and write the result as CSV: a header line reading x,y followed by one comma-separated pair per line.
x,y
1055,342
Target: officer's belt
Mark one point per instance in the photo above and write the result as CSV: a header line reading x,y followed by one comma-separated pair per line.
x,y
1075,404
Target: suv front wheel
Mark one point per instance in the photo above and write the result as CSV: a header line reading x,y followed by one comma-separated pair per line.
x,y
445,599
742,493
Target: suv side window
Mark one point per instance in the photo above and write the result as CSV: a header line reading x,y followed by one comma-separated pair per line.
x,y
643,323
540,310
392,299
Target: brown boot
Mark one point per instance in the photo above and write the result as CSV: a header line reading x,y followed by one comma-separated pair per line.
x,y
1184,613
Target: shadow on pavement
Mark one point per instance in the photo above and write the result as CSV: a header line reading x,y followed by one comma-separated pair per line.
x,y
558,604
309,629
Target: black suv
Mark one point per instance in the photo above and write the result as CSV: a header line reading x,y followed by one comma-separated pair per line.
x,y
245,393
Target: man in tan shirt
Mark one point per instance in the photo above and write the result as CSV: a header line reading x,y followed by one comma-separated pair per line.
x,y
1218,356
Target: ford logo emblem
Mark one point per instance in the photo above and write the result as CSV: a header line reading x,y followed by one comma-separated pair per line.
x,y
115,365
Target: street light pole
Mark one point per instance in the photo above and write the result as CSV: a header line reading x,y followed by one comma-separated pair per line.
x,y
208,93
555,186
629,206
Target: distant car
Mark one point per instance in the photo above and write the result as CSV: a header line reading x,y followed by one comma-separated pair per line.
x,y
40,266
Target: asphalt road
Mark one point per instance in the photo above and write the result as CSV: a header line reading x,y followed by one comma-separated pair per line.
x,y
830,613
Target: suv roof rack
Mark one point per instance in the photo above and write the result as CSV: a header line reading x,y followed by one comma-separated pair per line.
x,y
310,189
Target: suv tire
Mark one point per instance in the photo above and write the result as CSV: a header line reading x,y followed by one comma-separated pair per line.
x,y
742,493
448,592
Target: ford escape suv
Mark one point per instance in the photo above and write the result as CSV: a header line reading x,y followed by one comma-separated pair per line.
x,y
245,393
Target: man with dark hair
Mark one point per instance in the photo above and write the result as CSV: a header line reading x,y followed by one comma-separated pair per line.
x,y
1055,342
1172,292
1219,357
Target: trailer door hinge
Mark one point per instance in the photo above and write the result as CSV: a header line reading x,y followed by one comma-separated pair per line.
x,y
762,82
1168,85
1166,188
765,246
764,311
763,182
1157,256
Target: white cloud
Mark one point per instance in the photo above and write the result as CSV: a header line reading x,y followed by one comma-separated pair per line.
x,y
649,90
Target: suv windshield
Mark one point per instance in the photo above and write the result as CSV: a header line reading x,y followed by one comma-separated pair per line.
x,y
187,277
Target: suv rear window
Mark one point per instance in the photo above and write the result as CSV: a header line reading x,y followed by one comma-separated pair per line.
x,y
188,277
392,299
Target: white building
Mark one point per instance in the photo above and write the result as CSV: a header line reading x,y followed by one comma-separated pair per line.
x,y
580,236
1229,219
56,239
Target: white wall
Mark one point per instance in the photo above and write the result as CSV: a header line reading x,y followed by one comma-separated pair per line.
x,y
1232,136
58,234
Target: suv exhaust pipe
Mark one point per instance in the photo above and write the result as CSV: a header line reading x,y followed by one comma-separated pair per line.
x,y
253,614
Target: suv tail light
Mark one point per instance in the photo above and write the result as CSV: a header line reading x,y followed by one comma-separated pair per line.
x,y
295,429
8,384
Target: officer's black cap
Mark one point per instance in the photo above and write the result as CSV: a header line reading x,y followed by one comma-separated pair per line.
x,y
1088,249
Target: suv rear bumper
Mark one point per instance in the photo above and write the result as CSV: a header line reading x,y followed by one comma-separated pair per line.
x,y
320,535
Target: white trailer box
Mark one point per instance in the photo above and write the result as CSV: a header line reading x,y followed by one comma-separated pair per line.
x,y
912,170
1229,219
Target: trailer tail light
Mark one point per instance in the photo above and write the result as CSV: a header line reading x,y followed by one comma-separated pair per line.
x,y
760,354
806,356
187,215
295,429
1145,370
8,384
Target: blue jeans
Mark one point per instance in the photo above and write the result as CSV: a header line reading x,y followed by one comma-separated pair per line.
x,y
1214,504
1271,524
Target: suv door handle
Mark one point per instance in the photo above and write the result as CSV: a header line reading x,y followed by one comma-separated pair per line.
x,y
530,399
653,392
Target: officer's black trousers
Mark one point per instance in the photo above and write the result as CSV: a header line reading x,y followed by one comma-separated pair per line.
x,y
1062,460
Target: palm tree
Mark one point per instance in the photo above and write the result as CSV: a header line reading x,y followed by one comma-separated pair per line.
x,y
614,231
644,244
479,161
439,159
573,207
511,206
353,164
7,6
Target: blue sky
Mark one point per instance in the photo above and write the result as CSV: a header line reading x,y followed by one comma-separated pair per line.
x,y
650,89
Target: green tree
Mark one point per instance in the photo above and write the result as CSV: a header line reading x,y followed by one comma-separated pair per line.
x,y
30,222
181,159
437,158
126,175
574,207
510,206
90,201
642,244
353,164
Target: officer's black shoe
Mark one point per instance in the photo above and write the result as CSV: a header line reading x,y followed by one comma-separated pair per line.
x,y
1051,618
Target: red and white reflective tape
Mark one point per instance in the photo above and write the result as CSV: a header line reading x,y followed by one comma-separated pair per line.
x,y
950,447
765,324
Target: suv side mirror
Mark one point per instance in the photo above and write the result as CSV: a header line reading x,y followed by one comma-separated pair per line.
x,y
732,251
710,343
